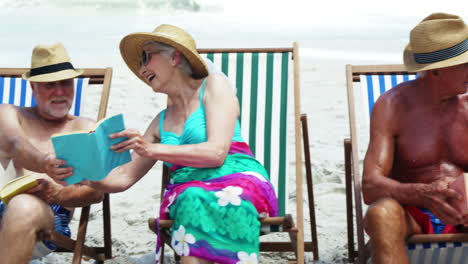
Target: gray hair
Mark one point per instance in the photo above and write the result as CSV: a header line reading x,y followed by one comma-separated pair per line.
x,y
168,51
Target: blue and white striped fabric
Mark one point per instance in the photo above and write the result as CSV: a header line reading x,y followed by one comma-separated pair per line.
x,y
61,219
441,253
372,86
18,91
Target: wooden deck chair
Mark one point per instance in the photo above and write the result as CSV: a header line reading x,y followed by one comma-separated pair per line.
x,y
15,90
267,82
371,81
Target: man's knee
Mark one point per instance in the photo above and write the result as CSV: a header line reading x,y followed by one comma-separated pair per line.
x,y
383,212
28,210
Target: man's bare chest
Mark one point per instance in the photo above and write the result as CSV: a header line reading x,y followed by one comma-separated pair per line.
x,y
430,140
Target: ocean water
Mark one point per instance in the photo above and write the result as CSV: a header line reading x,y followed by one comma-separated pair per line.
x,y
91,29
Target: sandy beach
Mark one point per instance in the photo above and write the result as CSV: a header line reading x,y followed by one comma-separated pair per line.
x,y
91,31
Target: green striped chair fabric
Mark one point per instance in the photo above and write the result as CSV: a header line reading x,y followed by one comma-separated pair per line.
x,y
261,82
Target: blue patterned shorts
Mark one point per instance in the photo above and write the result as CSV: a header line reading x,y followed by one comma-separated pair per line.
x,y
61,217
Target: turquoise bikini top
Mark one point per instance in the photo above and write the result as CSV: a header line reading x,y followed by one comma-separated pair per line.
x,y
194,128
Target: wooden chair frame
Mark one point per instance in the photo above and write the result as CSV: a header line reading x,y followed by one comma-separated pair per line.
x,y
102,76
286,223
352,171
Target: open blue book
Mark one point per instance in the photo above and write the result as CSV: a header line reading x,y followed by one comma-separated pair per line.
x,y
89,153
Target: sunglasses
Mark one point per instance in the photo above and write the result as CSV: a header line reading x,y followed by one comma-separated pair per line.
x,y
146,57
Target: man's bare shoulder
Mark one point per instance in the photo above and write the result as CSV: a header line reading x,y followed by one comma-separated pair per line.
x,y
399,93
398,97
8,109
11,115
83,123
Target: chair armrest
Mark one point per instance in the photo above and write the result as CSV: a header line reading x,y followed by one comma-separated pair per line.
x,y
438,238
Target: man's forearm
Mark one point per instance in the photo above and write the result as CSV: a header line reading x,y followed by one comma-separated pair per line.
x,y
405,193
78,196
27,156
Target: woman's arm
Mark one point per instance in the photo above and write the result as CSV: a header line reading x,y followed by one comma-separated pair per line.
x,y
222,111
123,177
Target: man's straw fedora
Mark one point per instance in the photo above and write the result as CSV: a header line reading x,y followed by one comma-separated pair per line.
x,y
439,41
131,48
50,63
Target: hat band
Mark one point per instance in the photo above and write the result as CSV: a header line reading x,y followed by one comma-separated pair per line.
x,y
51,68
440,55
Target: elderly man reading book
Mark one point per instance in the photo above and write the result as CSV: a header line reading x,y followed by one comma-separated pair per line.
x,y
25,140
419,141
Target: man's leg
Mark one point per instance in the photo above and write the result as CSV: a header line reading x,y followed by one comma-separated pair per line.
x,y
388,225
26,216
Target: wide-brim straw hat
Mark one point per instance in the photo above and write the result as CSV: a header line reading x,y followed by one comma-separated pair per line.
x,y
50,63
439,41
131,48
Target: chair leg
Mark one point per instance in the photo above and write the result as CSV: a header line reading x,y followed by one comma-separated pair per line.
x,y
161,257
81,235
293,237
310,189
349,201
107,227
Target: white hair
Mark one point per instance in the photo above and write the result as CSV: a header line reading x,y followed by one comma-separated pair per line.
x,y
185,66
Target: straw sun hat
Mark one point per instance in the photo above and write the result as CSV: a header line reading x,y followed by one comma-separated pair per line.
x,y
439,41
50,63
131,48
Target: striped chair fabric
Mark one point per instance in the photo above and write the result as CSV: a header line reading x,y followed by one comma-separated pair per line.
x,y
261,81
373,86
442,252
373,83
17,91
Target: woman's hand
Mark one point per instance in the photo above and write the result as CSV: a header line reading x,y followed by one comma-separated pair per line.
x,y
52,167
135,141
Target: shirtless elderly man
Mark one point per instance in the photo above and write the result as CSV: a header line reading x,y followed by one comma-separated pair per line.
x,y
419,142
25,139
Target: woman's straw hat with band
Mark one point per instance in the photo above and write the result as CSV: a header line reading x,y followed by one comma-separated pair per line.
x,y
50,63
439,41
131,48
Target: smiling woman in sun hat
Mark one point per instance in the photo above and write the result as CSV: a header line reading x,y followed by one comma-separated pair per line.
x,y
218,189
418,142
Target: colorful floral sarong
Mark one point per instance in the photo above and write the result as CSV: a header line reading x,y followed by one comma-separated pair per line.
x,y
216,210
